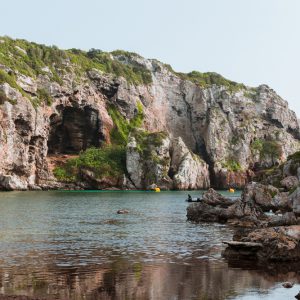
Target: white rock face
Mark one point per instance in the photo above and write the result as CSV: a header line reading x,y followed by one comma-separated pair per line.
x,y
187,169
214,122
289,182
27,84
12,182
192,172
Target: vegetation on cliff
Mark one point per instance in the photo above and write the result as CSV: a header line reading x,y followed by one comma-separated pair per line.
x,y
232,165
122,127
267,148
33,59
208,79
106,162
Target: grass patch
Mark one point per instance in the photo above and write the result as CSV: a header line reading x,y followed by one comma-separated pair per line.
x,y
44,96
232,165
122,127
250,94
96,59
147,140
208,79
11,80
36,57
109,161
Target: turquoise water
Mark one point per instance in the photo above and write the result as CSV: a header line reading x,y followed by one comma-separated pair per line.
x,y
74,245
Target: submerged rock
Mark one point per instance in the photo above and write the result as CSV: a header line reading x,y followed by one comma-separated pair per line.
x,y
122,211
288,284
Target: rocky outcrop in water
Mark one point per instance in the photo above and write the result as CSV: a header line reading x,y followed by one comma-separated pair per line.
x,y
259,235
272,244
55,103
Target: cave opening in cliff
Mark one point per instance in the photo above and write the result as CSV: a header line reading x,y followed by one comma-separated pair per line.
x,y
73,130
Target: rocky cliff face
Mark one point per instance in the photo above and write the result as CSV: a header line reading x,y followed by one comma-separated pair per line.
x,y
57,103
168,164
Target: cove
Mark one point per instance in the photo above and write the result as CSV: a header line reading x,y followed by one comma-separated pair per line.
x,y
74,245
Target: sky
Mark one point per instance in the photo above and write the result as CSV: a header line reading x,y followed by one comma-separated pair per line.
x,y
250,41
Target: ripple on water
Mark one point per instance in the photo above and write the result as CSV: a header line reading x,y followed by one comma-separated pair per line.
x,y
75,245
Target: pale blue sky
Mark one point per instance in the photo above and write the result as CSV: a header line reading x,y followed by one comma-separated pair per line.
x,y
249,41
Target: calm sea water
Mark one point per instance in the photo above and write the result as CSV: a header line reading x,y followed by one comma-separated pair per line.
x,y
74,245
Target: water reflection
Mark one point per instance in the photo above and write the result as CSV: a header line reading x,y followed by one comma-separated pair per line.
x,y
120,279
74,246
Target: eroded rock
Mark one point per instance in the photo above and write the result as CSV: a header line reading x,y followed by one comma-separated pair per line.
x,y
277,244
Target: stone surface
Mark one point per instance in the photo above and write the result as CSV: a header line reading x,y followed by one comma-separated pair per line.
x,y
294,199
261,195
191,172
12,182
211,197
218,124
133,163
290,182
249,210
276,244
214,208
168,165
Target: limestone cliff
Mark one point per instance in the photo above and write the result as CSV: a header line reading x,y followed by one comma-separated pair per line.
x,y
54,104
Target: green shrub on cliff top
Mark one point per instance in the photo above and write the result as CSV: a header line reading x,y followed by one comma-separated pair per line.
x,y
96,59
208,79
30,59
